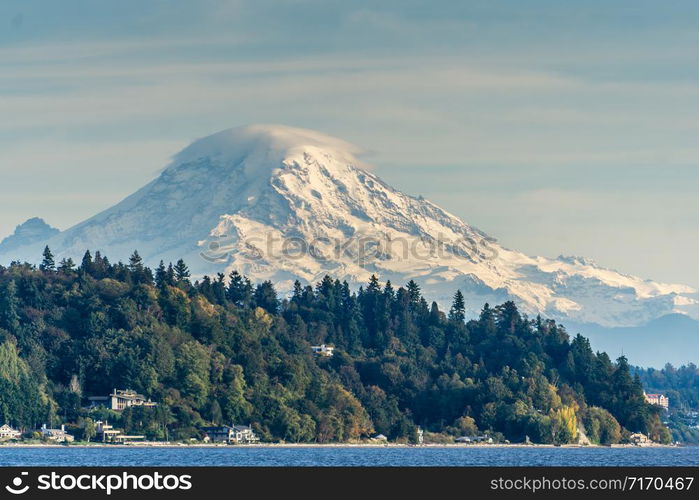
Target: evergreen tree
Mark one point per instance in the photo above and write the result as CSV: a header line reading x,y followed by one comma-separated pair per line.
x,y
413,292
170,274
374,286
298,292
388,292
181,272
66,265
457,312
100,266
161,275
48,263
266,297
372,312
22,400
135,263
325,294
139,273
435,315
219,288
507,317
239,290
86,264
9,317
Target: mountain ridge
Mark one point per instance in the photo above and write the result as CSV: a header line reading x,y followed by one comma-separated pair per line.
x,y
673,338
30,231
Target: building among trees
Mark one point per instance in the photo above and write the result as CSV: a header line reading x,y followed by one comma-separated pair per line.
x,y
108,434
234,434
7,432
120,399
322,350
58,435
658,399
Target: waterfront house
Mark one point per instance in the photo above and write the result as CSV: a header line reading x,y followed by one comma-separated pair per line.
x,y
119,399
474,439
639,439
234,434
105,432
7,432
57,435
108,434
322,350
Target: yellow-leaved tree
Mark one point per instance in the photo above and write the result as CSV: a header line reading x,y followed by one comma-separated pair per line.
x,y
564,425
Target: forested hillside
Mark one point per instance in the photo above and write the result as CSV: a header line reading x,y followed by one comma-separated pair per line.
x,y
224,350
681,386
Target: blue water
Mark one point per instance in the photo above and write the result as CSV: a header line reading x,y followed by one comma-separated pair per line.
x,y
347,456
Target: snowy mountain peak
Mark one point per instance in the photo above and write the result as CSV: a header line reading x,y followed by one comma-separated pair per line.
x,y
281,203
263,146
577,260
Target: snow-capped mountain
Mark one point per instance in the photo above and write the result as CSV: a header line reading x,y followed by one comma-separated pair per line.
x,y
281,203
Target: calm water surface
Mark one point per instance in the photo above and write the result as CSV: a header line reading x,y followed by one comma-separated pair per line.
x,y
344,456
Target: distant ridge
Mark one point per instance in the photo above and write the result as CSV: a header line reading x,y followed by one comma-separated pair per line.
x,y
31,231
673,338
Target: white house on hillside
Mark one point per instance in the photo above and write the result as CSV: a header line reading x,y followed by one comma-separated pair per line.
x,y
322,350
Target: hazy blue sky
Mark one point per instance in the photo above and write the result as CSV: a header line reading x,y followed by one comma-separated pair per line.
x,y
557,127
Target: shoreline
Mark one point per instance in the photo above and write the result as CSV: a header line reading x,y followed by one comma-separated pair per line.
x,y
164,444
